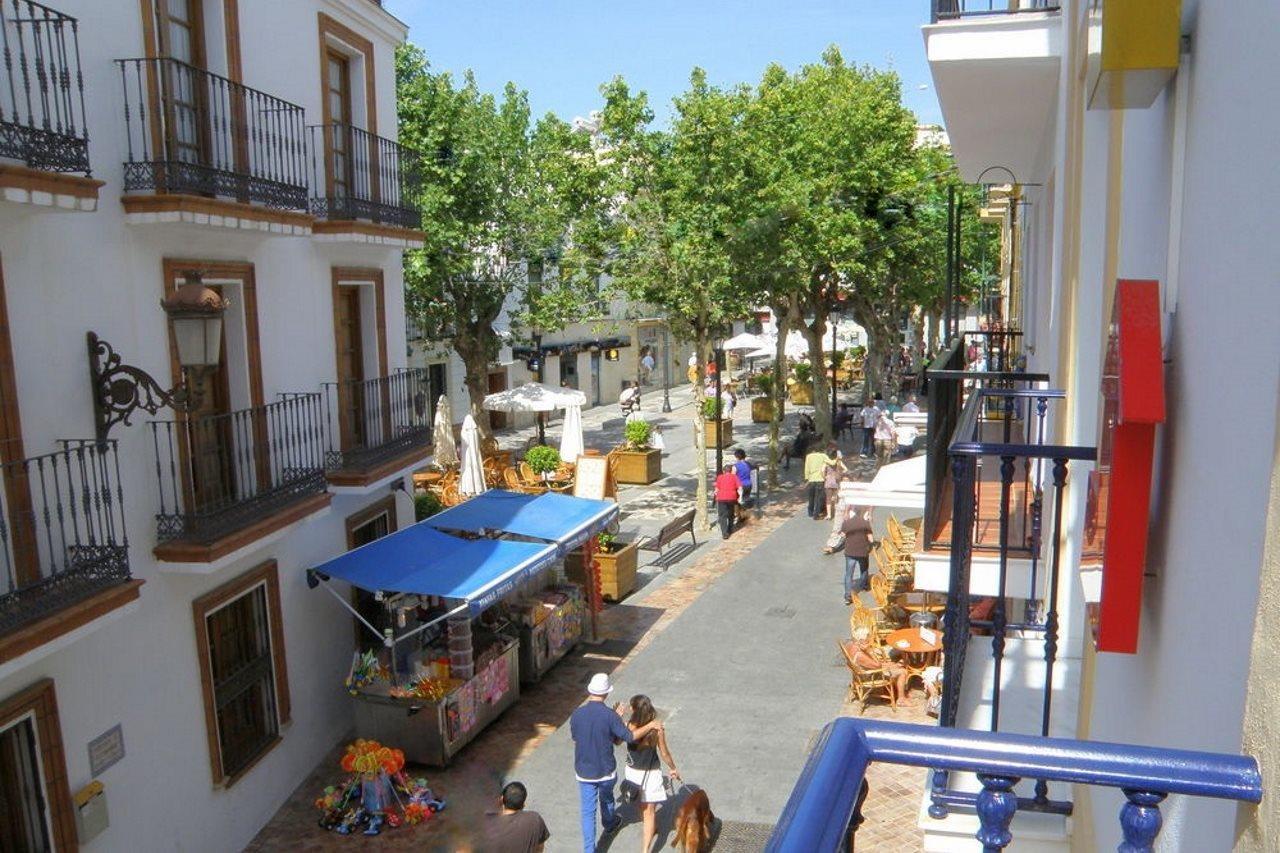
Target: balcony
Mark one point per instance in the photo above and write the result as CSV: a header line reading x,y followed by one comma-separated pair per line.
x,y
362,187
375,427
229,480
206,150
995,67
63,547
42,115
824,809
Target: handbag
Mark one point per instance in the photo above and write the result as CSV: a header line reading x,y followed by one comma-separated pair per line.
x,y
631,792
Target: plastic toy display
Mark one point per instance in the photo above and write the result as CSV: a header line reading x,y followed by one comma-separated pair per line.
x,y
377,794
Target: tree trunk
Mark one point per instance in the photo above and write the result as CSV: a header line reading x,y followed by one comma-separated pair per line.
x,y
814,334
779,392
475,360
701,518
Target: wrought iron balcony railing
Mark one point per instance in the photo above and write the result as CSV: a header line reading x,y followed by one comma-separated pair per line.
x,y
62,534
42,118
946,10
357,175
824,810
1045,468
191,131
952,378
372,421
221,473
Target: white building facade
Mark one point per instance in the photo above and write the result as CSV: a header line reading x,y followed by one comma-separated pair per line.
x,y
158,636
1134,155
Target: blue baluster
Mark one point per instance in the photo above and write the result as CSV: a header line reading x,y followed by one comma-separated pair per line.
x,y
1140,821
996,806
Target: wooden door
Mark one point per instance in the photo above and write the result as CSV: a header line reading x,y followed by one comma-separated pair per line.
x,y
211,435
180,30
497,382
19,557
338,106
349,339
23,820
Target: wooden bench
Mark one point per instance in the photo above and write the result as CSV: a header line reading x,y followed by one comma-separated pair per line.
x,y
670,531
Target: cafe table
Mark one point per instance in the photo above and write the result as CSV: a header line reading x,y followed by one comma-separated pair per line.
x,y
915,651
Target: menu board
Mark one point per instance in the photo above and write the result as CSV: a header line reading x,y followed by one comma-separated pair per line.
x,y
591,479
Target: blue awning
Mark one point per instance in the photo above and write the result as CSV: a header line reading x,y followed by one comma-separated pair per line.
x,y
423,561
552,517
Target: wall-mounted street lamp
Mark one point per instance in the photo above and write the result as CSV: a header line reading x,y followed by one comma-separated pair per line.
x,y
195,314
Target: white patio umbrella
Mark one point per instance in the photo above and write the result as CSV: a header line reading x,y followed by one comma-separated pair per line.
x,y
534,397
745,340
446,446
571,444
471,480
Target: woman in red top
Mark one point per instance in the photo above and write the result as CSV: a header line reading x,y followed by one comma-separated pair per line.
x,y
727,486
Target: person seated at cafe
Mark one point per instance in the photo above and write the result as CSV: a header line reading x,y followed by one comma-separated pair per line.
x,y
865,657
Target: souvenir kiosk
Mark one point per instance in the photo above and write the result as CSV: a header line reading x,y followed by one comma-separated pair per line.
x,y
438,658
550,619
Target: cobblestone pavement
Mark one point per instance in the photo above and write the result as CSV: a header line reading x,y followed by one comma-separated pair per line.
x,y
511,747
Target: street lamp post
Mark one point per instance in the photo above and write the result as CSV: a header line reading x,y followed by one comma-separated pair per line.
x,y
833,374
666,368
719,420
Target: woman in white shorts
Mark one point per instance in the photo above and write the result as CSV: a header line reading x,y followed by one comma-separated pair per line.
x,y
644,767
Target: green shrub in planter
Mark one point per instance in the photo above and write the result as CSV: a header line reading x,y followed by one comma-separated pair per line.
x,y
543,459
426,505
803,371
711,409
637,435
765,383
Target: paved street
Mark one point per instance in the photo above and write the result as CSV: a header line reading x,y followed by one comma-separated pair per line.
x,y
735,644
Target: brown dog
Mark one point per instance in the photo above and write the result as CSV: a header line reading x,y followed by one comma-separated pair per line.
x,y
693,823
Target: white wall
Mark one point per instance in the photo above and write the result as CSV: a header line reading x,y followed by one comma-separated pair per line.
x,y
66,274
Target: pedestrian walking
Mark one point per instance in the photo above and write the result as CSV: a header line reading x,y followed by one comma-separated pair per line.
x,y
868,416
744,470
646,368
858,538
911,406
815,462
832,472
645,757
512,829
595,729
728,492
886,442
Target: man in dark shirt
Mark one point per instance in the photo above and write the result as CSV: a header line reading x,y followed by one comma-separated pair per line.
x,y
512,829
596,728
857,548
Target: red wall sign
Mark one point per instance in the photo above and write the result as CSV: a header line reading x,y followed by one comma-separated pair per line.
x,y
1120,488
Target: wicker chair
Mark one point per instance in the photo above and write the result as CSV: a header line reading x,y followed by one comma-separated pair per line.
x,y
865,683
512,482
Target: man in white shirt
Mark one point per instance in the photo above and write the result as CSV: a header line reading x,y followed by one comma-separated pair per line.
x,y
886,444
911,406
868,415
906,436
646,368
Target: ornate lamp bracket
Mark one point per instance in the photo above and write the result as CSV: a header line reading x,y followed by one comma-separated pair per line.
x,y
120,389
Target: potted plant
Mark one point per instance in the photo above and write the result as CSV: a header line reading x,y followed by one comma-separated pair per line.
x,y
711,413
425,505
638,462
543,460
618,556
762,406
801,387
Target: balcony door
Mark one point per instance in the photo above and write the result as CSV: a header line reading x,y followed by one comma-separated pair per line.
x,y
349,339
338,104
211,435
180,30
19,557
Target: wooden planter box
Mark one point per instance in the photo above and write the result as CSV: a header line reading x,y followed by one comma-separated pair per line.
x,y
726,433
617,570
640,467
801,395
761,410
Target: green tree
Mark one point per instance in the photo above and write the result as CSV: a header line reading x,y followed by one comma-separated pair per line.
x,y
677,190
499,192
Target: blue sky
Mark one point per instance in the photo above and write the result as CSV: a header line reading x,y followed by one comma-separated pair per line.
x,y
562,50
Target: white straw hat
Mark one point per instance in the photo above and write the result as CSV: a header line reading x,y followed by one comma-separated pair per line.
x,y
600,685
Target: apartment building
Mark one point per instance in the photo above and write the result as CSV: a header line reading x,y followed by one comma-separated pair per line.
x,y
203,392
1122,500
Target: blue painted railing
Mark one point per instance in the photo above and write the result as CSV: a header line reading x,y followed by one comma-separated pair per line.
x,y
824,809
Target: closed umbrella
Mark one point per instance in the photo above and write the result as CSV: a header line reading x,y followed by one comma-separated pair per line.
x,y
471,480
446,447
571,444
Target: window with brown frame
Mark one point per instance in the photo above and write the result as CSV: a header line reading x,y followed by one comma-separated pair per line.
x,y
35,799
368,525
240,641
